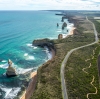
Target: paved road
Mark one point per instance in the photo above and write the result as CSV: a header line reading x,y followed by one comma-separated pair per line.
x,y
63,84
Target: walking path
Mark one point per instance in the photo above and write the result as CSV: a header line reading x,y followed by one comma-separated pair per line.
x,y
63,84
94,87
92,76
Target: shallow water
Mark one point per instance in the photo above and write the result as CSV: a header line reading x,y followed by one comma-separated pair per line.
x,y
17,31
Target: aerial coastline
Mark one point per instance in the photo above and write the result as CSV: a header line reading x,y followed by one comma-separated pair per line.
x,y
77,41
49,79
33,75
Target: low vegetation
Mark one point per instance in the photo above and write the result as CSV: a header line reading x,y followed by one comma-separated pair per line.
x,y
78,82
97,24
98,21
49,81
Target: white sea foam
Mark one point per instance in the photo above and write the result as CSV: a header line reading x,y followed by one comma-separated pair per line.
x,y
6,90
30,45
70,25
10,93
30,58
65,35
26,54
49,54
34,47
22,70
18,70
4,66
3,61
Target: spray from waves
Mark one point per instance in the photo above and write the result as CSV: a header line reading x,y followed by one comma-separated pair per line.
x,y
4,66
18,69
29,57
23,71
26,54
3,61
10,93
30,45
49,53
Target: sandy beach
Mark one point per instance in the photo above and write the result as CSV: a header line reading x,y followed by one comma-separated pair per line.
x,y
33,76
29,91
70,33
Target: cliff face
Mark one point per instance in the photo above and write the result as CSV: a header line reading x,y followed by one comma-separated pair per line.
x,y
43,43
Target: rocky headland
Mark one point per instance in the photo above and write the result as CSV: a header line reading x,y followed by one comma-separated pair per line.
x,y
45,42
48,73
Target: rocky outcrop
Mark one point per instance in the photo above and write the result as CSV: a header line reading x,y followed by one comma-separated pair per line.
x,y
64,17
60,36
64,25
10,70
43,43
57,25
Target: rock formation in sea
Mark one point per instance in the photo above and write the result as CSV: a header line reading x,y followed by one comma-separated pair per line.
x,y
10,70
60,36
44,42
57,25
64,25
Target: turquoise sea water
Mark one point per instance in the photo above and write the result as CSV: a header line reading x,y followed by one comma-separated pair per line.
x,y
17,31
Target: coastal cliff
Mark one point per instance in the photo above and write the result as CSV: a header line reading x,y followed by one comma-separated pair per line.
x,y
48,75
44,42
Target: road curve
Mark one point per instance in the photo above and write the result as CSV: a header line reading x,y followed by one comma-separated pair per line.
x,y
63,84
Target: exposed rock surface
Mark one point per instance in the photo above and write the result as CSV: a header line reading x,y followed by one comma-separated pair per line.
x,y
43,43
10,70
60,36
57,25
64,25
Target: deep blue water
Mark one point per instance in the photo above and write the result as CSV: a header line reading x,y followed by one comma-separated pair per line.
x,y
17,31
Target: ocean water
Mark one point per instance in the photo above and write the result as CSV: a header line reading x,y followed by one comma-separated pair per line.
x,y
17,31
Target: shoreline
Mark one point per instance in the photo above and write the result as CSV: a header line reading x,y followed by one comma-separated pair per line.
x,y
32,84
71,32
31,87
33,76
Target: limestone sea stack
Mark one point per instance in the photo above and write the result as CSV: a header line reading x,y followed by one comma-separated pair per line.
x,y
11,72
64,25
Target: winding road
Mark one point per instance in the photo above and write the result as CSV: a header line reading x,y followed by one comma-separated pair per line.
x,y
63,84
